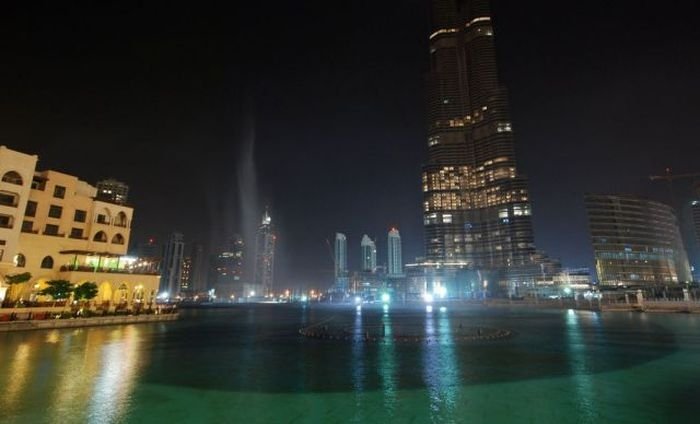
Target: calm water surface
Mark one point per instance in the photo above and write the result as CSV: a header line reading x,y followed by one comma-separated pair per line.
x,y
248,364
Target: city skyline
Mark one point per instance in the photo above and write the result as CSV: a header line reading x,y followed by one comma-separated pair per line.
x,y
428,211
575,102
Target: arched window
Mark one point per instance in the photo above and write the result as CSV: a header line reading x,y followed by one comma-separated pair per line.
x,y
120,220
100,236
20,260
12,177
118,239
47,262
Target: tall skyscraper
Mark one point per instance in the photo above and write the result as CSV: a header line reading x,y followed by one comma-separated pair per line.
x,y
199,272
395,264
695,205
476,203
186,274
635,241
695,211
111,190
228,268
369,254
265,256
171,267
341,262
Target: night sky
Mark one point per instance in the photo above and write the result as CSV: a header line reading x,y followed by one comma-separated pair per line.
x,y
169,98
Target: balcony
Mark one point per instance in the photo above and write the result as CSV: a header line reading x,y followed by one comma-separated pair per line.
x,y
91,269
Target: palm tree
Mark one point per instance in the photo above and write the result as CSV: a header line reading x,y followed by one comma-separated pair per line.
x,y
14,280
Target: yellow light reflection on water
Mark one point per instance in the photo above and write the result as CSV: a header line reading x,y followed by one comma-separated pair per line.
x,y
120,363
20,374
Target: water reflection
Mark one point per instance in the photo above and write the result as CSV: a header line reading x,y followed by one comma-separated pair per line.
x,y
83,375
19,375
440,369
387,364
120,362
358,366
582,379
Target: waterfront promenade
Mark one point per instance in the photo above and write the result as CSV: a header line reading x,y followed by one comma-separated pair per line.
x,y
22,319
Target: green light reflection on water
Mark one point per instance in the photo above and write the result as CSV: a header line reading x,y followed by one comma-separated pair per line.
x,y
387,366
441,372
582,380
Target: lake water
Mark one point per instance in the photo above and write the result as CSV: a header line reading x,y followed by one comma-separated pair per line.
x,y
249,364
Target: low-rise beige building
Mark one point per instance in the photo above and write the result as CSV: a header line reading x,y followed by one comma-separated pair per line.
x,y
52,226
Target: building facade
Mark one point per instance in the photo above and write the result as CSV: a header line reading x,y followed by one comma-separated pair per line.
x,y
695,214
369,254
200,271
476,205
228,269
186,275
635,241
53,226
394,260
695,207
341,263
265,256
171,267
113,191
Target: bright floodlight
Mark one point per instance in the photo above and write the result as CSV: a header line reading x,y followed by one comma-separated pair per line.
x,y
428,298
441,291
358,299
358,308
429,309
252,293
304,298
386,298
567,290
443,309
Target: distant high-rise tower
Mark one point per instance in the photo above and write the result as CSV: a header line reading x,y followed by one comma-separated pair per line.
x,y
199,272
171,267
341,262
695,205
228,268
265,255
395,264
186,274
369,254
695,210
635,241
111,190
476,204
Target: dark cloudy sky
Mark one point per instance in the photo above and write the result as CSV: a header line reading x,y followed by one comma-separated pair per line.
x,y
166,96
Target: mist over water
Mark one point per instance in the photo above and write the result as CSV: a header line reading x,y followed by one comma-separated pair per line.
x,y
248,197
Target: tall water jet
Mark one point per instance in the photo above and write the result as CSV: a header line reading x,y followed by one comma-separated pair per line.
x,y
248,201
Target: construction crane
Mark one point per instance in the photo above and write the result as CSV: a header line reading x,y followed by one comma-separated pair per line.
x,y
669,177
